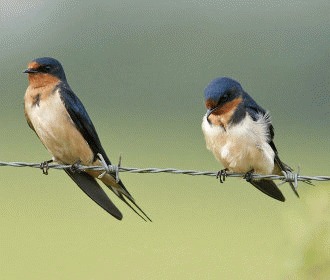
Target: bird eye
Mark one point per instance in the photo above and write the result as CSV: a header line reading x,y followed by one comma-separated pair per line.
x,y
44,68
225,97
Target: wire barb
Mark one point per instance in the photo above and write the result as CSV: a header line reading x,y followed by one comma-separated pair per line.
x,y
115,169
290,177
105,166
110,169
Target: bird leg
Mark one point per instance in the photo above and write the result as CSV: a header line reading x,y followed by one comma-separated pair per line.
x,y
248,175
44,166
75,167
222,174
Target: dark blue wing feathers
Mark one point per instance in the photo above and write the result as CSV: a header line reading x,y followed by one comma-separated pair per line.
x,y
82,120
90,187
253,110
252,107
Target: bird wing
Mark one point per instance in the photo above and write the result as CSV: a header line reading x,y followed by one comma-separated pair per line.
x,y
268,187
81,120
254,110
85,126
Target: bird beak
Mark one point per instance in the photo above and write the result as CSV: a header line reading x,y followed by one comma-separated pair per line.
x,y
30,70
210,111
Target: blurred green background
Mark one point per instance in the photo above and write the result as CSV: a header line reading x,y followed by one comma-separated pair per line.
x,y
140,68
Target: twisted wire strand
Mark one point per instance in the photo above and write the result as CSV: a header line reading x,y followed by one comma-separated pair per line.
x,y
115,169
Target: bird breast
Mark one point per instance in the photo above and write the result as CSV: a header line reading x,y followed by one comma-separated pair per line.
x,y
46,113
243,146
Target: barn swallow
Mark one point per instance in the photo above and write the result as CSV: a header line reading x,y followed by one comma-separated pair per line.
x,y
64,127
240,134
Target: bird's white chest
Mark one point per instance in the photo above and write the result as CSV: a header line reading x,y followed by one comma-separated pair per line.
x,y
55,128
241,147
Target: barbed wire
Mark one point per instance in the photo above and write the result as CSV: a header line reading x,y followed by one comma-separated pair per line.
x,y
115,169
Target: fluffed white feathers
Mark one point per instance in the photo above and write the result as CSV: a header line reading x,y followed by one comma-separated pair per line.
x,y
243,146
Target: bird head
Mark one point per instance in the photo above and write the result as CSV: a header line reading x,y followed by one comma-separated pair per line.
x,y
45,69
222,96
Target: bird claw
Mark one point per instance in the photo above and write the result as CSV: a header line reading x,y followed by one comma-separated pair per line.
x,y
75,167
248,175
222,174
44,166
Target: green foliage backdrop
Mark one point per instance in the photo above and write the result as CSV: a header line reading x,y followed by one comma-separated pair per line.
x,y
140,68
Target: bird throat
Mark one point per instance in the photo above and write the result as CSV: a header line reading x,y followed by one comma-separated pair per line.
x,y
222,116
37,80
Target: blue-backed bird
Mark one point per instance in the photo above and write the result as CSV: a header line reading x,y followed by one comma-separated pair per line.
x,y
240,134
64,127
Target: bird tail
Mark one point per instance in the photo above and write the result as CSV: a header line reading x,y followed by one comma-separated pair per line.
x,y
120,190
281,166
90,187
268,187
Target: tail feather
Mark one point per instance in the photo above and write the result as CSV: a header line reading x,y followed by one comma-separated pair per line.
x,y
281,166
294,189
121,191
118,188
122,198
268,187
90,187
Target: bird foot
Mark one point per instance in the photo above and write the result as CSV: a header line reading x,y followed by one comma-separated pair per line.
x,y
248,175
44,166
75,167
222,174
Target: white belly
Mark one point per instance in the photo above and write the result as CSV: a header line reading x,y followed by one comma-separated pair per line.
x,y
242,147
57,132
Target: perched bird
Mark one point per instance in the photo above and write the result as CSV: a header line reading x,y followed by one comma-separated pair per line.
x,y
240,134
62,124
